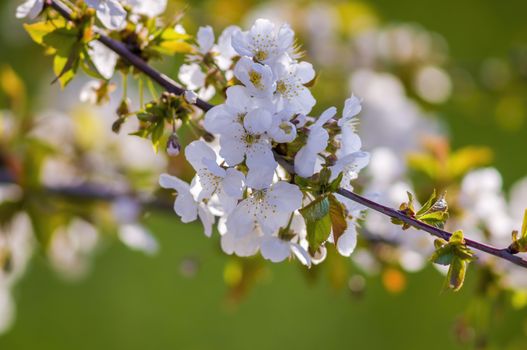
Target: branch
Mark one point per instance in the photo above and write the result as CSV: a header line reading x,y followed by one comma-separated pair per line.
x,y
167,83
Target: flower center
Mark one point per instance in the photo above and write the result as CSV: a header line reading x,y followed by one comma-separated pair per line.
x,y
260,55
256,79
281,87
286,127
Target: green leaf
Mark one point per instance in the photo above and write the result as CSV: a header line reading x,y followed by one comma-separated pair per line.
x,y
519,240
456,274
318,222
38,30
456,255
337,213
65,68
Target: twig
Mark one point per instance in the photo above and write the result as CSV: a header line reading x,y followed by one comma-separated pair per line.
x,y
171,86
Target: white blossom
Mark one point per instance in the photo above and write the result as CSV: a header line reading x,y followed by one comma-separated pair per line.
x,y
264,42
257,78
290,86
316,143
268,209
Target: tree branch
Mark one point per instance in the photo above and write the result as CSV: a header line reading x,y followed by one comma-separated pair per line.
x,y
171,86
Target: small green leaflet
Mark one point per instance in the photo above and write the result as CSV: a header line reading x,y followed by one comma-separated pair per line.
x,y
456,255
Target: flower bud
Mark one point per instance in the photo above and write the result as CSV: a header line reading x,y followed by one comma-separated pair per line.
x,y
173,145
191,97
124,108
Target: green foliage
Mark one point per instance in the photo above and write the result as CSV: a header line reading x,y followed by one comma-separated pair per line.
x,y
63,42
318,222
455,254
319,183
434,212
157,114
519,240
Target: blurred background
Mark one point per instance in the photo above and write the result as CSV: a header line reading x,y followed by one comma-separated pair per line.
x,y
436,77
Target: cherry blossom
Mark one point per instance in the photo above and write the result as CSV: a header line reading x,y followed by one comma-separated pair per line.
x,y
263,41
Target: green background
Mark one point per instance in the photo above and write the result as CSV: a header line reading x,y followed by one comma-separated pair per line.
x,y
130,301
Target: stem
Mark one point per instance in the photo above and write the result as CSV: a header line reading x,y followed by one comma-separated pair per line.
x,y
168,84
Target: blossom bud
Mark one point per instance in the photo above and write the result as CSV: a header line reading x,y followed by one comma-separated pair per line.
x,y
116,126
173,145
124,108
191,97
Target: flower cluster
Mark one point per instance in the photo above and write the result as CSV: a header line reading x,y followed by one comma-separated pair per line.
x,y
265,117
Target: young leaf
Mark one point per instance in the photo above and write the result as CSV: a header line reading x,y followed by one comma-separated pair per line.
x,y
519,244
456,255
318,222
337,214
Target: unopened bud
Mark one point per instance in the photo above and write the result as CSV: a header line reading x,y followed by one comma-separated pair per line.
x,y
173,145
124,108
191,97
116,126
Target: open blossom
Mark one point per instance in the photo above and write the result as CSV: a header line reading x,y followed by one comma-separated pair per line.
x,y
257,78
238,103
192,74
110,12
291,89
248,142
350,165
30,9
317,141
211,179
269,209
264,41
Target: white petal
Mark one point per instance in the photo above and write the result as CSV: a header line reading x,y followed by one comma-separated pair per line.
x,y
274,249
285,196
218,119
305,72
191,76
110,12
260,177
325,117
207,219
103,59
138,238
205,39
258,121
240,221
172,182
186,207
150,8
196,151
30,9
232,145
301,254
352,107
233,183
348,241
